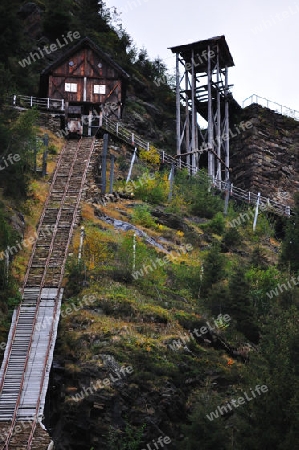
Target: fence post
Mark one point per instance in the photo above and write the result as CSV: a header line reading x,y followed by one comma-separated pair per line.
x,y
134,252
82,235
171,180
256,211
131,165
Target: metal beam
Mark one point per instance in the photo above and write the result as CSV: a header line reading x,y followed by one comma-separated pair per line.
x,y
178,105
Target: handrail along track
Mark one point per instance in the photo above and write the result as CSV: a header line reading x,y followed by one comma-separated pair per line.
x,y
67,185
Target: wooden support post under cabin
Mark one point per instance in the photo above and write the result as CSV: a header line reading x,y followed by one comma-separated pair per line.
x,y
111,173
178,108
104,162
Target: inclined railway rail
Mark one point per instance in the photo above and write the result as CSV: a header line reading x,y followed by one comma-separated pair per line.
x,y
25,369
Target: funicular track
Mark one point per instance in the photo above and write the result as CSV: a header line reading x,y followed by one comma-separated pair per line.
x,y
28,356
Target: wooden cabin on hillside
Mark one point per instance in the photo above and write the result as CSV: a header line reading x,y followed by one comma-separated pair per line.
x,y
90,83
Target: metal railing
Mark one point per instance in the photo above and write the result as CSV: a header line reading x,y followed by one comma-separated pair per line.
x,y
42,103
118,130
265,203
123,133
274,106
134,140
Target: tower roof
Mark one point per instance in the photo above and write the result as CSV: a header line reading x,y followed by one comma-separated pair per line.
x,y
200,49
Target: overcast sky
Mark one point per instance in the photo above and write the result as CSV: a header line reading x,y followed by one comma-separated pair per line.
x,y
263,37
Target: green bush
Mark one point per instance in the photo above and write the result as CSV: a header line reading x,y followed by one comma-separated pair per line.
x,y
154,191
232,237
142,216
201,199
130,439
217,224
52,150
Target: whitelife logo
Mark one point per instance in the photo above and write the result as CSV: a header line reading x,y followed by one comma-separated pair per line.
x,y
158,444
236,403
9,160
47,49
220,323
102,384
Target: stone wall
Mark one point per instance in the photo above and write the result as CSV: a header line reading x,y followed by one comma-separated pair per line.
x,y
50,121
265,158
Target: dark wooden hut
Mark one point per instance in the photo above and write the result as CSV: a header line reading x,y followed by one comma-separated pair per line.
x,y
90,83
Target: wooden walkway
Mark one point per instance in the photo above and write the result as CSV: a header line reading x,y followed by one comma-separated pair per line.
x,y
25,370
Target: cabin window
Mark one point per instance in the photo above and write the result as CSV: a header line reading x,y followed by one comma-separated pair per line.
x,y
99,89
70,87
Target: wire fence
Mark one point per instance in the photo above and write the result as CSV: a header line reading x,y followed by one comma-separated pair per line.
x,y
280,109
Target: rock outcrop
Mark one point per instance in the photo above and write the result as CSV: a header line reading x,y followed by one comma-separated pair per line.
x,y
265,157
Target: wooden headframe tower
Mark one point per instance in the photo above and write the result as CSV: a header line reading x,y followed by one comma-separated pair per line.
x,y
202,89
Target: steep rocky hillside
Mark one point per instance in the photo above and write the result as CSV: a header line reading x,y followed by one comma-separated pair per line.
x,y
128,365
265,157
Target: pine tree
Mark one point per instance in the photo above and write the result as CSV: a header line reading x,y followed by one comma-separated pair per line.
x,y
240,307
203,433
213,269
11,29
58,19
270,421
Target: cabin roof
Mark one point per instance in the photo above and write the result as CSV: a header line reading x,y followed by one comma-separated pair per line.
x,y
84,43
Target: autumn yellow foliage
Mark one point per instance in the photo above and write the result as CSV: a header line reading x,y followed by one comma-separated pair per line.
x,y
150,156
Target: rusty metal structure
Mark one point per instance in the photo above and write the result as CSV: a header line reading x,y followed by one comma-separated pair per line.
x,y
89,84
202,89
